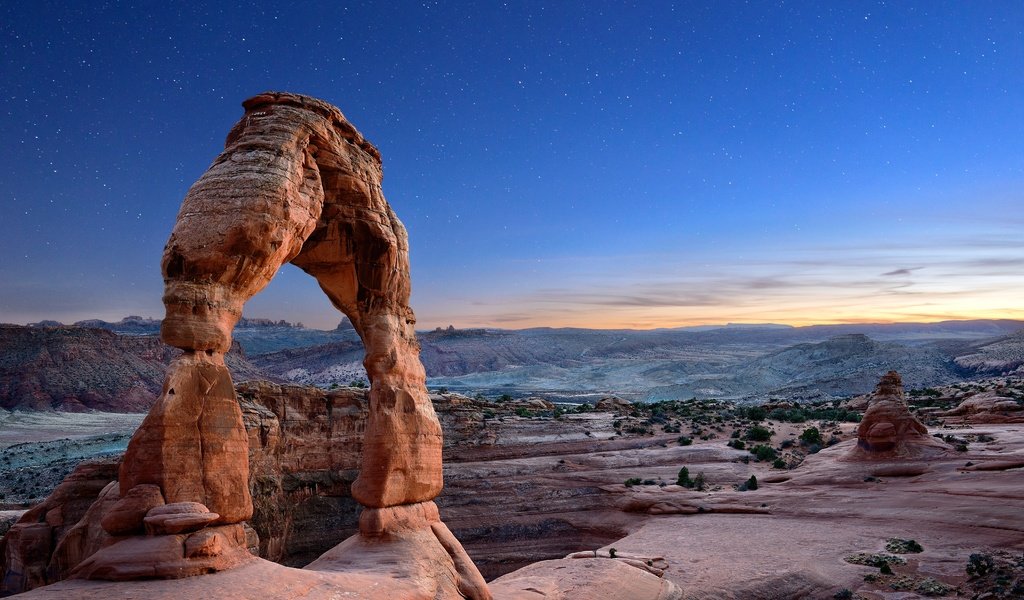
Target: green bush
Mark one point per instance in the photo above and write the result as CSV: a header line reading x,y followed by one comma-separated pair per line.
x,y
684,441
901,546
633,481
749,485
811,435
764,453
779,464
699,483
979,565
759,434
684,478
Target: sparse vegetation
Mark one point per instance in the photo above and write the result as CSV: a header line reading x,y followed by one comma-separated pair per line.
x,y
764,453
979,565
811,436
901,546
874,560
759,434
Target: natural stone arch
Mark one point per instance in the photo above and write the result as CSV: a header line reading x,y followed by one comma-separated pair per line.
x,y
296,183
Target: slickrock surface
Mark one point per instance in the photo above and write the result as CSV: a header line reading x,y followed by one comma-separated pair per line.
x,y
513,504
888,428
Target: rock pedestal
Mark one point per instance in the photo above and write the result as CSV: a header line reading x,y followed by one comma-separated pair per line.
x,y
888,430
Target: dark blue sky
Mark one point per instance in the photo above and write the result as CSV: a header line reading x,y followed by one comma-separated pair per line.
x,y
595,164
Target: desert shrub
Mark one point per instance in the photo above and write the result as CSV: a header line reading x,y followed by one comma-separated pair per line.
x,y
737,444
748,485
843,594
901,546
522,412
811,435
684,478
764,453
699,482
633,481
684,441
787,444
795,415
759,434
885,569
753,413
779,464
979,565
874,560
611,552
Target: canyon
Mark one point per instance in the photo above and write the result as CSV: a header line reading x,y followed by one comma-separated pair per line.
x,y
524,486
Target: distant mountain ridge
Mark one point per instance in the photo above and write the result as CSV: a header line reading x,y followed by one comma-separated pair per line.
x,y
75,369
724,362
119,366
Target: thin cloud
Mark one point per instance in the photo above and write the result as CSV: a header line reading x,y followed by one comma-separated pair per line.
x,y
901,272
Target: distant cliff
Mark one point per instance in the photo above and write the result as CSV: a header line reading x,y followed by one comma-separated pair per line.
x,y
76,369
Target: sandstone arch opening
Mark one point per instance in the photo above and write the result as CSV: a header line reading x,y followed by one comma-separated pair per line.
x,y
296,183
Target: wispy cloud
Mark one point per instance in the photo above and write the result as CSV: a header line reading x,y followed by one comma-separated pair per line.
x,y
901,272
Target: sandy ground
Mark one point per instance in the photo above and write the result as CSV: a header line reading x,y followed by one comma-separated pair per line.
x,y
21,427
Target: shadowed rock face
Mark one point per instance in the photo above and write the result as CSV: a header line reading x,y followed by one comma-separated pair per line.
x,y
295,183
888,428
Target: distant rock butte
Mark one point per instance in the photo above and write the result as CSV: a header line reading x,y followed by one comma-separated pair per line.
x,y
888,429
296,183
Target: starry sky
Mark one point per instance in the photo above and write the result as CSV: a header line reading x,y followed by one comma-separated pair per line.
x,y
591,164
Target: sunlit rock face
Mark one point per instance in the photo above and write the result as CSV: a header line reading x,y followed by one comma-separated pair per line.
x,y
296,183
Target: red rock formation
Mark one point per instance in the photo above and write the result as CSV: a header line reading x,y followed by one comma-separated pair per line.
x,y
295,183
888,429
988,407
28,548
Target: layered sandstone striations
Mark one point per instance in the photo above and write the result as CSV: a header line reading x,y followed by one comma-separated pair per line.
x,y
295,183
988,407
75,369
888,429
